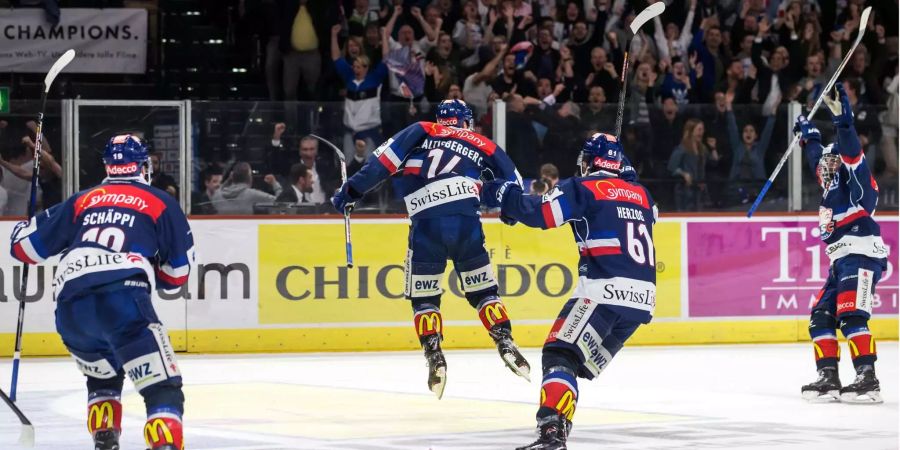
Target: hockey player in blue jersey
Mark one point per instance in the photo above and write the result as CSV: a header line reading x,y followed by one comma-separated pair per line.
x,y
858,256
612,218
116,242
440,166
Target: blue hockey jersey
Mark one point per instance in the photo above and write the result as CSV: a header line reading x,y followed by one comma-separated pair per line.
x,y
612,221
119,231
846,213
441,168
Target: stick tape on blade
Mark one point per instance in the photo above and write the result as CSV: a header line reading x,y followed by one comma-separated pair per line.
x,y
647,15
57,67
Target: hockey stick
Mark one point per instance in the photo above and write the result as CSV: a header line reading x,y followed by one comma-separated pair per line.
x,y
26,437
863,21
57,67
643,17
347,241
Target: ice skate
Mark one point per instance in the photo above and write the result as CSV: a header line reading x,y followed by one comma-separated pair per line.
x,y
552,435
510,353
106,440
864,389
824,389
437,366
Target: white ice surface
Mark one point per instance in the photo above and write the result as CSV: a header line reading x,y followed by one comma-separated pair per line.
x,y
736,397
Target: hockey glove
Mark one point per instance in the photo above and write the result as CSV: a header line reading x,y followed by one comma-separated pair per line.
x,y
839,105
808,132
492,192
14,237
344,197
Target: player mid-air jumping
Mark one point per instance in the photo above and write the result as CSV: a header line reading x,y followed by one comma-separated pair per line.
x,y
116,242
858,256
612,218
441,165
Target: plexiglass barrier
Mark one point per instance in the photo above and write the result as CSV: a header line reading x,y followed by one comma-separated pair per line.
x,y
245,157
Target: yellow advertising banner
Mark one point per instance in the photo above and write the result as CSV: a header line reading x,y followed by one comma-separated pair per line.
x,y
303,279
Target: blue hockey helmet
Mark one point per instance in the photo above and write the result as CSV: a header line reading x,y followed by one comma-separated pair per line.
x,y
603,153
455,113
125,155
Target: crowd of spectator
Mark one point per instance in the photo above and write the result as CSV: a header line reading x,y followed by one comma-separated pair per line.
x,y
708,84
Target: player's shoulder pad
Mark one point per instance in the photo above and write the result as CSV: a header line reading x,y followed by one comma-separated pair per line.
x,y
616,190
471,138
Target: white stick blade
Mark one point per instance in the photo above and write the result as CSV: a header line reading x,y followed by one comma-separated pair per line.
x,y
26,437
57,67
647,15
863,22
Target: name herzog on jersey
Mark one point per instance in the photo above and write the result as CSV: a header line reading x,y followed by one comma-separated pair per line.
x,y
440,168
119,230
612,223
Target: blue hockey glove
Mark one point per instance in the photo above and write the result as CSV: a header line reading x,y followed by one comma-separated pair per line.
x,y
808,132
841,111
492,192
344,197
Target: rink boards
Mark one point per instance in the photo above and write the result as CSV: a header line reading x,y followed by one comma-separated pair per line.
x,y
281,285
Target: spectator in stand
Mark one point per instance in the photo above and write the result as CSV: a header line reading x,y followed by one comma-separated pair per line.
x,y
865,118
301,186
160,179
404,59
550,175
293,50
581,42
667,125
372,43
807,88
17,178
522,142
748,170
468,33
509,24
236,197
202,201
324,172
736,81
477,88
444,70
677,82
671,42
359,158
889,132
512,80
688,163
431,24
598,116
776,77
544,59
603,73
561,143
707,44
362,106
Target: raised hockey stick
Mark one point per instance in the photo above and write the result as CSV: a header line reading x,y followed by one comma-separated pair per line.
x,y
347,241
26,436
643,17
863,21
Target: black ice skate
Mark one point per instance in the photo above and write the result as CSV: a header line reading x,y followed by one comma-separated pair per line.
x,y
864,389
509,352
825,389
106,440
553,433
437,366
